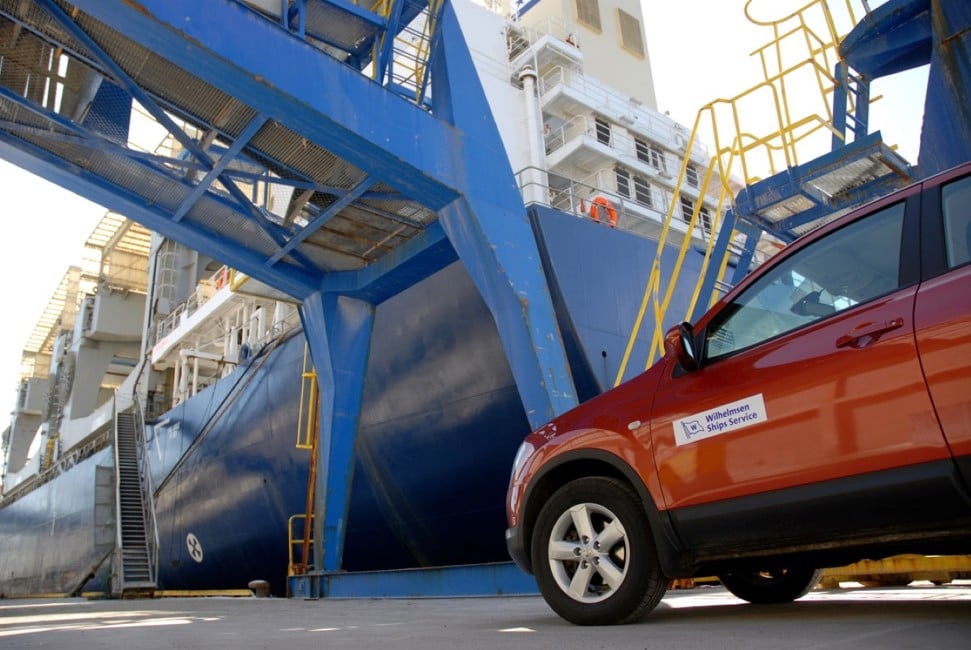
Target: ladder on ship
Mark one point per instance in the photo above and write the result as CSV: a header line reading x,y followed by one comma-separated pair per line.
x,y
135,570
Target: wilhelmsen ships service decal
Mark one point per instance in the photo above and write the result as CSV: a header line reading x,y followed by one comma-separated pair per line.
x,y
719,420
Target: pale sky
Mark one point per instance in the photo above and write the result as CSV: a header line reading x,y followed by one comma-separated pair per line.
x,y
699,52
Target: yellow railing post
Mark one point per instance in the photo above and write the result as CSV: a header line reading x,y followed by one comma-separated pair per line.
x,y
307,438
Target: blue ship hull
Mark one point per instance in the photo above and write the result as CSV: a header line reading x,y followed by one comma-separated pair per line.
x,y
440,425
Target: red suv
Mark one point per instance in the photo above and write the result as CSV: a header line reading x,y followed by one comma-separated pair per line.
x,y
819,414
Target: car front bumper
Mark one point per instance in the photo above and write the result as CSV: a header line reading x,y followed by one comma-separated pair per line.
x,y
517,549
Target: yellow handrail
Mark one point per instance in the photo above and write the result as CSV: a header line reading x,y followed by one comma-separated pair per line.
x,y
306,418
411,53
775,149
298,568
309,398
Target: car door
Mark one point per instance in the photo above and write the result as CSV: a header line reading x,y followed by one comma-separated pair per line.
x,y
809,416
943,311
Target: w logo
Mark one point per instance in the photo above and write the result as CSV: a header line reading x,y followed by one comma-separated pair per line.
x,y
691,428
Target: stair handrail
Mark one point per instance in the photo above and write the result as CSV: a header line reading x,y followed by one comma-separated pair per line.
x,y
145,476
148,491
117,566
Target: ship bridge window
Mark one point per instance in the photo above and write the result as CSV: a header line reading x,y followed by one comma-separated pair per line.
x,y
642,192
630,34
657,159
688,208
643,150
588,13
603,130
691,175
622,177
650,154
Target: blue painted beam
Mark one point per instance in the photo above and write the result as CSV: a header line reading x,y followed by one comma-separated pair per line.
x,y
498,579
719,250
491,232
435,16
751,235
385,56
293,83
841,94
219,167
894,37
338,331
946,132
346,199
292,280
406,265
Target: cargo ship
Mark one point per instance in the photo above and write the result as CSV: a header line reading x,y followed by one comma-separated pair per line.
x,y
210,366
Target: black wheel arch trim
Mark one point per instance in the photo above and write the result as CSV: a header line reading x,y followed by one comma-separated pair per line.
x,y
675,562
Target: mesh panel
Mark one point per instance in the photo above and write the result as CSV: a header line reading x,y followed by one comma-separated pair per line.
x,y
337,28
29,68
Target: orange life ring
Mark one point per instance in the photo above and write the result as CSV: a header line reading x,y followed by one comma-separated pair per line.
x,y
221,278
608,208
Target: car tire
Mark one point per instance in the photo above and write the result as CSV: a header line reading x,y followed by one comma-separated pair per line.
x,y
593,554
771,587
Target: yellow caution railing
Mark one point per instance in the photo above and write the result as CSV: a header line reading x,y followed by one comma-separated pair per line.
x,y
50,451
894,571
411,47
301,539
804,44
307,438
307,417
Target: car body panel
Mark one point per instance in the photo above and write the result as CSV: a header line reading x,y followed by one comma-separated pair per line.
x,y
832,435
941,316
852,410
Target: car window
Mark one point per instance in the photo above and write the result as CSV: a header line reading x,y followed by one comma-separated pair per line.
x,y
956,201
847,267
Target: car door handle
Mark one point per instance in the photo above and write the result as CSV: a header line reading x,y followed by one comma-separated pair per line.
x,y
871,330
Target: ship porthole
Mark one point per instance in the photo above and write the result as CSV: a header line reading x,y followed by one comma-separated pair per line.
x,y
195,547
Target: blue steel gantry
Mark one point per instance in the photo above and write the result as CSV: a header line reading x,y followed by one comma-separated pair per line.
x,y
395,174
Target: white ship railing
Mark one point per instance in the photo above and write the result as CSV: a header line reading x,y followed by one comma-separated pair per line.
x,y
621,108
204,292
655,160
632,216
204,349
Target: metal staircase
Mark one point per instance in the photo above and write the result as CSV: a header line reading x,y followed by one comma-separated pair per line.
x,y
135,552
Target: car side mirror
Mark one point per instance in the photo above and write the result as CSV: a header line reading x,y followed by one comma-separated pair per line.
x,y
811,305
679,342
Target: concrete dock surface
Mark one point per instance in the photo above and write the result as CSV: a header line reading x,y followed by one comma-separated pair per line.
x,y
918,616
